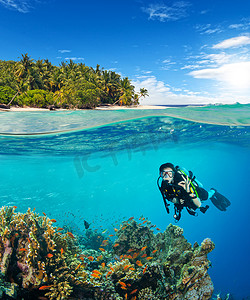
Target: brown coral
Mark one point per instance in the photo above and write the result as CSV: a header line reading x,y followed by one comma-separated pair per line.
x,y
39,258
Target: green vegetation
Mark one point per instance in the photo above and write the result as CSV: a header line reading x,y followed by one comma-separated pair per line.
x,y
71,85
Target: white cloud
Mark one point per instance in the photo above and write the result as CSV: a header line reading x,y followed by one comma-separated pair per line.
x,y
208,29
233,42
64,51
164,12
235,76
191,67
203,12
244,25
169,62
162,94
74,58
218,58
19,5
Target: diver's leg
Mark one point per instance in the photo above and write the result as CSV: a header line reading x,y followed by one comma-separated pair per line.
x,y
211,193
197,203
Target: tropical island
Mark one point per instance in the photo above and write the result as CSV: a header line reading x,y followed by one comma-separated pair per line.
x,y
40,84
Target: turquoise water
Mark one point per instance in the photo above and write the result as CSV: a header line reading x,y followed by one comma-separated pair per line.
x,y
105,173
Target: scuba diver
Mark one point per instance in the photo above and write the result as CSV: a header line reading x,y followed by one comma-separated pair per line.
x,y
180,187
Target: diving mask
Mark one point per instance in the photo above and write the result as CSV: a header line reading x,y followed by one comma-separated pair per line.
x,y
167,174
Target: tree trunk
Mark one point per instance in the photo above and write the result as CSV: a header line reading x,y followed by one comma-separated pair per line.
x,y
13,98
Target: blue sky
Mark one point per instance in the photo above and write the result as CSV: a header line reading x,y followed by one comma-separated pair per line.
x,y
182,51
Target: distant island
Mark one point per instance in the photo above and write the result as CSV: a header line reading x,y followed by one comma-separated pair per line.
x,y
29,83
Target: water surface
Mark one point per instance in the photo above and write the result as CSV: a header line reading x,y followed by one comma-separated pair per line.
x,y
105,167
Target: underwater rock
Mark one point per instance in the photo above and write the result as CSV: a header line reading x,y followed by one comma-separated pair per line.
x,y
38,259
8,290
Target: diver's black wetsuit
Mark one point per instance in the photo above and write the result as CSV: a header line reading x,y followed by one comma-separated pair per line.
x,y
173,190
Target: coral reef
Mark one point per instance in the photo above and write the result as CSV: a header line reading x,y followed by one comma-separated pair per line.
x,y
41,261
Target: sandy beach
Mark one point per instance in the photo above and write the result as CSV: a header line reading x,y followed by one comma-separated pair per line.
x,y
108,107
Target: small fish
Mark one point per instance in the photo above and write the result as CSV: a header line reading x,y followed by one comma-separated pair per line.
x,y
150,257
143,219
22,249
143,248
115,229
122,283
126,296
123,287
61,251
96,272
71,235
59,228
131,218
144,255
139,224
154,251
129,257
103,265
45,287
91,258
101,249
86,224
138,262
34,209
111,235
78,267
95,275
158,229
99,257
59,233
116,245
121,256
130,250
125,267
53,220
108,274
135,255
81,258
132,269
112,269
14,207
134,291
49,255
144,270
28,240
44,214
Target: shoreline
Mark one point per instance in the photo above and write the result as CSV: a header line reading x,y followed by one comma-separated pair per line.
x,y
115,107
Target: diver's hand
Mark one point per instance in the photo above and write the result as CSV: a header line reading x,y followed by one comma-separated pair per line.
x,y
185,183
182,201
